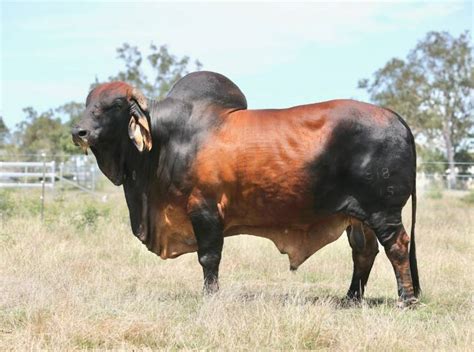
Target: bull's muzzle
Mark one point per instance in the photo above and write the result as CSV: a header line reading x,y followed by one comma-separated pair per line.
x,y
80,137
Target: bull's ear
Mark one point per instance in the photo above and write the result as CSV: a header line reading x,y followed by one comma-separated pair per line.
x,y
139,132
138,127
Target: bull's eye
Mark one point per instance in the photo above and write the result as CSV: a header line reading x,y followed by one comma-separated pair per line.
x,y
118,103
114,107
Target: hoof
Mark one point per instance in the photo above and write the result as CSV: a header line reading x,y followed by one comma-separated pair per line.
x,y
354,296
211,289
409,303
352,299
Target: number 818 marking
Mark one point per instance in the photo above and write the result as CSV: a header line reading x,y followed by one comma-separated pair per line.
x,y
382,173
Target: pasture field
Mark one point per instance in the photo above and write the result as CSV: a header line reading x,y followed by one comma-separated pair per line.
x,y
80,280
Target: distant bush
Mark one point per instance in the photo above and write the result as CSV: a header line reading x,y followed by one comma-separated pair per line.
x,y
89,216
23,203
7,204
469,198
32,205
435,192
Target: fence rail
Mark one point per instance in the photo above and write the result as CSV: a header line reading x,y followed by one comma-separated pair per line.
x,y
25,185
23,163
78,171
24,174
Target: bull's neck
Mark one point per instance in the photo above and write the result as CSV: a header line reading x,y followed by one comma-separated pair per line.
x,y
153,108
166,117
152,111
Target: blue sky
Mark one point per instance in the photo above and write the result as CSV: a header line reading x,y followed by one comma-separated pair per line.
x,y
279,54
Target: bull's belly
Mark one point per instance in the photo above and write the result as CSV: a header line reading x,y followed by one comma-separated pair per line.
x,y
299,241
299,237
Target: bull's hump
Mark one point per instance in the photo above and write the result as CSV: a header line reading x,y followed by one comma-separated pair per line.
x,y
209,86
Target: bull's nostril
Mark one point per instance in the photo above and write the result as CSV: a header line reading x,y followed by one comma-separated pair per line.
x,y
82,133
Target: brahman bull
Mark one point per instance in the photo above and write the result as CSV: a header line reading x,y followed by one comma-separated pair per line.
x,y
198,166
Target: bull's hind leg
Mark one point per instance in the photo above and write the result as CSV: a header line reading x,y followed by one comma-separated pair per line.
x,y
397,252
364,250
392,235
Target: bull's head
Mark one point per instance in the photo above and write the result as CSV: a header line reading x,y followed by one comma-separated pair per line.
x,y
116,116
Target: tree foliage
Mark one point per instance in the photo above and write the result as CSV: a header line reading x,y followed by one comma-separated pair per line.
x,y
40,133
4,133
433,89
164,69
71,113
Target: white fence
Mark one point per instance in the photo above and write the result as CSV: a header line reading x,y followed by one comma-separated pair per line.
x,y
74,170
27,174
78,172
437,174
80,169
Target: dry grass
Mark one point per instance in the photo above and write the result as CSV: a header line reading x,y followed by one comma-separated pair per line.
x,y
82,281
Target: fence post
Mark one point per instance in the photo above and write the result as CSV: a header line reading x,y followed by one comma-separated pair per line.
x,y
53,173
43,155
92,177
61,167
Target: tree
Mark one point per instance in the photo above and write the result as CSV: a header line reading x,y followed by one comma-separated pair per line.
x,y
41,133
432,89
71,113
165,69
4,133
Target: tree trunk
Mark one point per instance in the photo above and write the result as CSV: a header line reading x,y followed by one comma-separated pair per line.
x,y
450,155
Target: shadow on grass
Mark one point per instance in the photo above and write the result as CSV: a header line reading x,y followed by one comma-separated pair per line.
x,y
302,299
284,298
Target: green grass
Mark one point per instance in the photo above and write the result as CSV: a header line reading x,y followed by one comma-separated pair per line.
x,y
80,280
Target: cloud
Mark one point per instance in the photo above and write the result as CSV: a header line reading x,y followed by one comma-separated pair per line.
x,y
245,35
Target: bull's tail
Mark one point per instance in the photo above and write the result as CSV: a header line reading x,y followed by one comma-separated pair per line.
x,y
412,254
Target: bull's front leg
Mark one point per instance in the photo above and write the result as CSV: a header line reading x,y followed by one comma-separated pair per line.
x,y
208,229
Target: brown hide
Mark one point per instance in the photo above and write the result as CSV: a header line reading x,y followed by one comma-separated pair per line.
x,y
173,233
255,167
